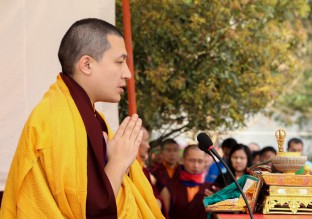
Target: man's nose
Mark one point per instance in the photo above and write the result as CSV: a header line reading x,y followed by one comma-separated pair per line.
x,y
126,72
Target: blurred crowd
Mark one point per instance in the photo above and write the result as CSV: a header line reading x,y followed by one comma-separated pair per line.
x,y
182,177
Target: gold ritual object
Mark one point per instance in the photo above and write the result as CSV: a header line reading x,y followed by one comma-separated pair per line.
x,y
285,192
280,137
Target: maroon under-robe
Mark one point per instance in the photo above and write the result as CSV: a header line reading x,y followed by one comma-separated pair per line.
x,y
101,203
162,177
180,208
155,191
1,195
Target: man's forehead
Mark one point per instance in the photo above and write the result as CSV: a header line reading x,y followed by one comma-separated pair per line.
x,y
171,145
293,144
115,40
196,153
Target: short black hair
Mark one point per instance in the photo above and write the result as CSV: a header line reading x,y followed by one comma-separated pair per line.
x,y
189,147
228,143
85,37
255,154
167,141
295,141
266,149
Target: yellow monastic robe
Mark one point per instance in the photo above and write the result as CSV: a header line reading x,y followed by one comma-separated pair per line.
x,y
48,174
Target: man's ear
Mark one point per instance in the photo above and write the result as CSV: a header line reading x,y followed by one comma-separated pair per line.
x,y
84,64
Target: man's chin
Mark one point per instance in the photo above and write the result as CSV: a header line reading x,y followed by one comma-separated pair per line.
x,y
117,99
110,100
114,100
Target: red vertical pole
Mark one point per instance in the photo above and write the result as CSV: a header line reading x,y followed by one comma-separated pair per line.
x,y
128,40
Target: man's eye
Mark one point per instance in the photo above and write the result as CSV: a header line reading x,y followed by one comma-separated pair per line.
x,y
120,61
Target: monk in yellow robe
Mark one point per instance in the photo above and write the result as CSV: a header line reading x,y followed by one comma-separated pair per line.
x,y
68,163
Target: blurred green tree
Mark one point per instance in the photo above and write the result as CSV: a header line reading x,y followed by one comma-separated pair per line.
x,y
211,64
295,105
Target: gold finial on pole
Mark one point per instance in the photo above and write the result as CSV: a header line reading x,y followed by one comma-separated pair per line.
x,y
280,137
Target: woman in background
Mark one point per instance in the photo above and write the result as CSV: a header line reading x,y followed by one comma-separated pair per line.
x,y
239,159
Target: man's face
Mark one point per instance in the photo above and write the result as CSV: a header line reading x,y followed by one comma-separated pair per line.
x,y
170,154
156,156
194,161
267,156
256,159
110,73
295,147
144,146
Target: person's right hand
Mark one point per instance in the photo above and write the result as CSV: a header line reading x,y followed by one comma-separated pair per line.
x,y
211,191
122,149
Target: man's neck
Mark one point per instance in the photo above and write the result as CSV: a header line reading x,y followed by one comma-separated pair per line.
x,y
171,166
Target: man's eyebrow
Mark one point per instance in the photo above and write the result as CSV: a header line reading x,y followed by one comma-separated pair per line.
x,y
124,56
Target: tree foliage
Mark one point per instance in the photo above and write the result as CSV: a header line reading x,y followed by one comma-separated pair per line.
x,y
210,64
295,106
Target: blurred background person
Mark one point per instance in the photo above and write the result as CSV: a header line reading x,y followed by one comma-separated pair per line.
x,y
184,197
239,160
267,153
154,157
142,159
213,171
253,147
256,157
169,168
143,148
208,162
296,145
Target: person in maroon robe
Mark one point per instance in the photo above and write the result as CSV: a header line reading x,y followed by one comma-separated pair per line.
x,y
169,169
69,163
184,197
1,194
143,158
93,58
